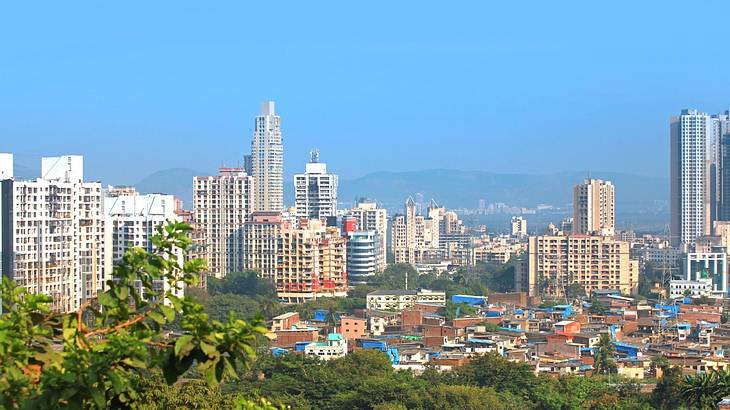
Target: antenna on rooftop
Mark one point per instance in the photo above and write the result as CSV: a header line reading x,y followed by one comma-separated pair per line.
x,y
314,156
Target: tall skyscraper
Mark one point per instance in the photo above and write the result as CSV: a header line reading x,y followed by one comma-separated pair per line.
x,y
697,174
267,160
518,226
414,237
594,207
315,190
370,217
221,206
53,234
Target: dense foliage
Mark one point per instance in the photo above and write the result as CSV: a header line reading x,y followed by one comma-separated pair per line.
x,y
92,357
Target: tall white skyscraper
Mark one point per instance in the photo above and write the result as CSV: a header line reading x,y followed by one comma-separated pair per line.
x,y
267,160
221,207
315,190
694,150
53,233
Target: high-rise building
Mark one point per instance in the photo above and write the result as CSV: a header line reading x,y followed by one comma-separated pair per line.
x,y
52,231
594,207
131,221
592,261
698,174
363,249
221,206
518,226
303,263
267,160
370,217
414,237
315,191
311,262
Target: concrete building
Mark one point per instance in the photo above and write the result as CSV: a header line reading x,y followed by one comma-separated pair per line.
x,y
267,160
415,238
698,174
363,254
593,261
315,191
518,226
335,346
402,299
53,234
709,269
594,208
261,243
370,217
131,220
221,206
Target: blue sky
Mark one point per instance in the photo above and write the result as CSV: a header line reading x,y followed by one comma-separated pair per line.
x,y
496,86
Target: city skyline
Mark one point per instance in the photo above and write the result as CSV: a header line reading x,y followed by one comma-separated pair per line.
x,y
476,82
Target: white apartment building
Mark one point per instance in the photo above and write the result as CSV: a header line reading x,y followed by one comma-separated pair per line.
x,y
221,207
518,226
363,254
402,299
335,346
131,221
370,217
52,229
315,191
267,160
594,208
697,180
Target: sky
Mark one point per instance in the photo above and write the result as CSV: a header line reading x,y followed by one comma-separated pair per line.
x,y
508,87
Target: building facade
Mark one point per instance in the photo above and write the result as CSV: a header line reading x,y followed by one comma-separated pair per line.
x,y
592,261
363,254
414,237
401,299
370,217
131,220
518,226
53,233
315,191
699,174
221,206
594,207
267,160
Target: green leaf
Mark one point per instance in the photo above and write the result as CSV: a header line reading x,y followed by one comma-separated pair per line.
x,y
105,299
99,398
183,345
157,317
208,349
168,312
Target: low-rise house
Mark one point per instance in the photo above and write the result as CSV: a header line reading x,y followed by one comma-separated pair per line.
x,y
396,300
335,346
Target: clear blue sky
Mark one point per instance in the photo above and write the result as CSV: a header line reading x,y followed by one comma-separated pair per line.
x,y
498,86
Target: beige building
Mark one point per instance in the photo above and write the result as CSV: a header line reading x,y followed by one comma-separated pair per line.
x,y
593,261
303,263
594,207
490,254
267,160
221,206
52,232
402,299
415,238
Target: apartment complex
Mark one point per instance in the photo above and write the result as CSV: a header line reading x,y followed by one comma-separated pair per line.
x,y
369,217
415,238
267,160
594,207
363,254
221,205
315,191
592,261
303,262
699,174
52,229
132,219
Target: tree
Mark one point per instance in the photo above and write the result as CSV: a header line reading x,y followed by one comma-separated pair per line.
x,y
702,391
116,337
603,358
575,290
667,393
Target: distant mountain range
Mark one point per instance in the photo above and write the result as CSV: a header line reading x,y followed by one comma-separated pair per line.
x,y
457,189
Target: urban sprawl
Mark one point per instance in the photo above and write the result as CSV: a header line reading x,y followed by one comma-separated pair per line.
x,y
563,287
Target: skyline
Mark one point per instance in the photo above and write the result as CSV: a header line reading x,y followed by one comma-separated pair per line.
x,y
402,98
